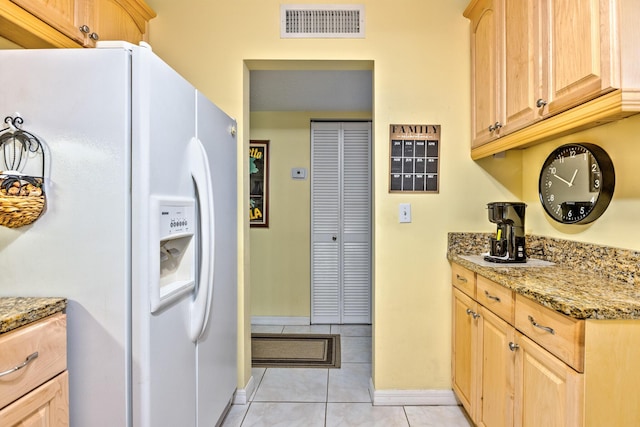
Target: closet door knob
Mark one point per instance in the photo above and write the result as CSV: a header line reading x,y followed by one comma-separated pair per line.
x,y
334,238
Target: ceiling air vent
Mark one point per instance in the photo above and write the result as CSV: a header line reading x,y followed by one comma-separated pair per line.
x,y
311,21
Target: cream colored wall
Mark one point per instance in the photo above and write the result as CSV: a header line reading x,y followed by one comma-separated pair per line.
x,y
280,255
618,226
420,55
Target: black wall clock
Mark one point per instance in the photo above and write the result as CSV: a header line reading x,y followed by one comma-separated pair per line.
x,y
576,183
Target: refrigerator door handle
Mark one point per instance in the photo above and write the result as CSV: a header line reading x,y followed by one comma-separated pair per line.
x,y
201,174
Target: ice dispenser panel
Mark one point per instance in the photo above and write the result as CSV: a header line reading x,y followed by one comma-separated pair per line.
x,y
175,225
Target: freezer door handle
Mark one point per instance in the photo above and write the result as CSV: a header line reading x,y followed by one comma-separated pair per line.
x,y
201,174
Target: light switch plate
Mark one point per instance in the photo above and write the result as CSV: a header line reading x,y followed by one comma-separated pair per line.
x,y
405,212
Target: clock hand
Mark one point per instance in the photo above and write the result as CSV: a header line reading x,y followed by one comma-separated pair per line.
x,y
563,180
573,177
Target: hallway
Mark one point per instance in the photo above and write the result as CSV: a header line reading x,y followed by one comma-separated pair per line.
x,y
307,397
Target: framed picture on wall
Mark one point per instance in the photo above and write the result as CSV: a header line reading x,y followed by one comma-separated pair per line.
x,y
259,183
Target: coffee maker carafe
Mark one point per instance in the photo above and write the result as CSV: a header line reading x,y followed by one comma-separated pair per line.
x,y
508,245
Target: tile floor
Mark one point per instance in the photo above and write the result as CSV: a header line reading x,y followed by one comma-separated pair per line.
x,y
292,397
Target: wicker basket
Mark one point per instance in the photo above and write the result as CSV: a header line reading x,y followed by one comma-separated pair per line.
x,y
22,198
18,211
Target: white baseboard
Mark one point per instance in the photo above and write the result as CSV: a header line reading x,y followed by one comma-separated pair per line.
x,y
411,397
243,395
280,320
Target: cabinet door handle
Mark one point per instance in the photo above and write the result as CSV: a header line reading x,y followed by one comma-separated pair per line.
x,y
513,346
30,358
85,29
472,313
544,328
495,126
460,278
488,295
94,36
541,103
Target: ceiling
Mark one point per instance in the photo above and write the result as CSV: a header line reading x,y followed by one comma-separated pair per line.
x,y
311,90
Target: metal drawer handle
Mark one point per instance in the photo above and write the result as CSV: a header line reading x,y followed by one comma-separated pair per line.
x,y
513,346
460,278
544,328
30,358
488,295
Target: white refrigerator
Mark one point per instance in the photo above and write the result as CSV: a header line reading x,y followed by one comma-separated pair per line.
x,y
139,231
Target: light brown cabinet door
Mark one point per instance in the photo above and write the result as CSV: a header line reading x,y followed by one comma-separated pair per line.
x,y
65,15
486,79
46,406
113,22
464,366
580,54
548,392
523,80
496,380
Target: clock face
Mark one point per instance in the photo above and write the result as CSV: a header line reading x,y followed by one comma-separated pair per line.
x,y
576,183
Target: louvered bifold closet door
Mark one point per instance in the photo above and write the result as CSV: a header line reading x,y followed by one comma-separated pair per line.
x,y
341,222
325,223
356,223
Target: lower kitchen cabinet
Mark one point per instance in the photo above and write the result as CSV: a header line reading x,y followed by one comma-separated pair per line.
x,y
518,363
46,406
464,341
496,371
34,382
483,372
548,392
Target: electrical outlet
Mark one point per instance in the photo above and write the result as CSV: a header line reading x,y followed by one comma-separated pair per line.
x,y
405,212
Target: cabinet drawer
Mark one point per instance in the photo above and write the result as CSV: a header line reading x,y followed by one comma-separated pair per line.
x,y
47,337
496,298
463,279
558,334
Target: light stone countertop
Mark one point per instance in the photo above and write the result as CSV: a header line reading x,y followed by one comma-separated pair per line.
x,y
587,281
572,292
20,311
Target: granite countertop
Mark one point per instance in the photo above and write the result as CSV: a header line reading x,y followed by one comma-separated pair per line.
x,y
571,292
586,281
20,311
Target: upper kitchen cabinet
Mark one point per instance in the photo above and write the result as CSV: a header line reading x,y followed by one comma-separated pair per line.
x,y
507,84
486,78
560,66
65,16
506,77
73,23
524,88
581,58
121,19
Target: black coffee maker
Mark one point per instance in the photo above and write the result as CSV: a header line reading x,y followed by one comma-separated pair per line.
x,y
508,245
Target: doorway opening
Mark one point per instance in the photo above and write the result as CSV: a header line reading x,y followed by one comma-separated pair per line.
x,y
285,96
